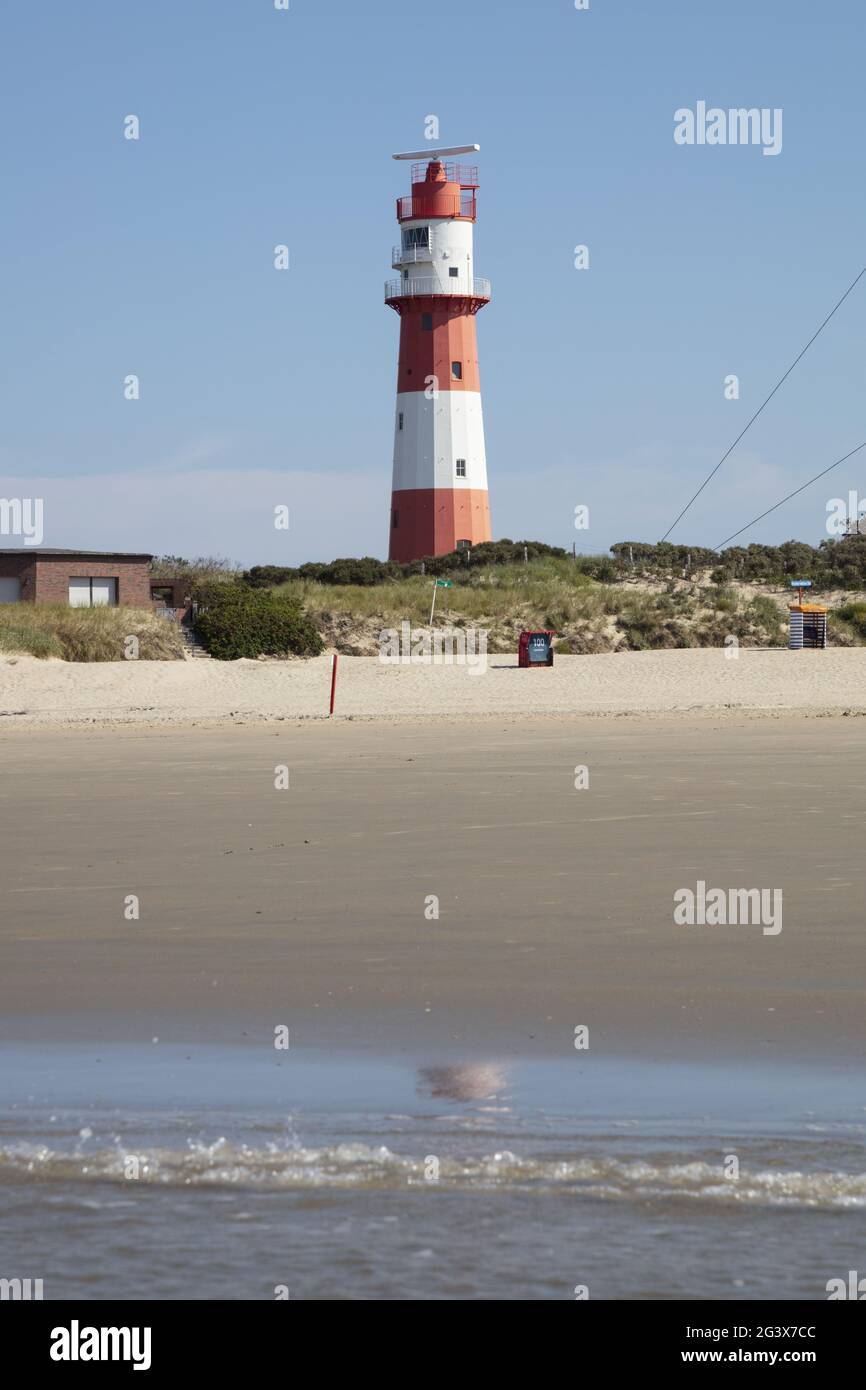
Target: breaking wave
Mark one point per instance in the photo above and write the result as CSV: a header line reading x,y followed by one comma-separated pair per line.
x,y
274,1167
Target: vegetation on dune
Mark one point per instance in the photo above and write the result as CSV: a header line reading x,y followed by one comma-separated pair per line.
x,y
638,597
849,621
234,621
546,593
834,564
203,567
361,572
86,634
367,571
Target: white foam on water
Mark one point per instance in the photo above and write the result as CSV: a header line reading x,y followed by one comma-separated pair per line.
x,y
275,1167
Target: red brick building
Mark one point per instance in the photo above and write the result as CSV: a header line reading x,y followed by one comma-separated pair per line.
x,y
82,578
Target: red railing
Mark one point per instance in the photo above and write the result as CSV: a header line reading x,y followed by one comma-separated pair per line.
x,y
464,174
436,204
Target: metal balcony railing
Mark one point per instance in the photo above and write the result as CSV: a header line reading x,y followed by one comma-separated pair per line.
x,y
410,255
429,284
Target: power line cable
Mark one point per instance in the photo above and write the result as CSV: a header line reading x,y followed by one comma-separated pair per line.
x,y
777,505
779,383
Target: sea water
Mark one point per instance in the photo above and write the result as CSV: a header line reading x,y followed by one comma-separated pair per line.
x,y
168,1171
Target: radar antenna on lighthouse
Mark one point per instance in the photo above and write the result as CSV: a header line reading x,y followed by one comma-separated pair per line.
x,y
435,154
439,499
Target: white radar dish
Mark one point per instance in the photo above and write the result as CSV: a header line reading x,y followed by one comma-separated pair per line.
x,y
434,154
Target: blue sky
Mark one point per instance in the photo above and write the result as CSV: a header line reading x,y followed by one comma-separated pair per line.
x,y
601,387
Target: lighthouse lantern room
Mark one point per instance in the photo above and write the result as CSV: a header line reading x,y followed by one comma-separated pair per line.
x,y
439,499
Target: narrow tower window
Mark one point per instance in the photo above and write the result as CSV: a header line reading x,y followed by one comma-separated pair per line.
x,y
400,420
461,468
396,521
427,323
456,371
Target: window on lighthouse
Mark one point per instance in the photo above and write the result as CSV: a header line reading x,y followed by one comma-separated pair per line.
x,y
416,236
461,468
456,371
427,323
400,420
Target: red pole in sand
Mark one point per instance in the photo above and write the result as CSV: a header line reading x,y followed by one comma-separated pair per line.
x,y
333,683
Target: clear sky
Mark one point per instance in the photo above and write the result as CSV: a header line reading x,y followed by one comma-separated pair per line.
x,y
602,387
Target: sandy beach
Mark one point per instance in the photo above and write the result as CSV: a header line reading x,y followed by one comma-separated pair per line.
x,y
143,1046
38,694
555,904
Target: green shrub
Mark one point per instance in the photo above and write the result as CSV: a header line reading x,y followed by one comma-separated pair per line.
x,y
723,600
233,621
765,614
267,576
853,615
366,571
601,568
838,563
485,554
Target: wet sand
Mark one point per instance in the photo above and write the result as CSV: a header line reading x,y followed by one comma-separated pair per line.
x,y
306,906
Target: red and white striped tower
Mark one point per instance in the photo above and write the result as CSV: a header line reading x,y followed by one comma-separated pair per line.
x,y
439,499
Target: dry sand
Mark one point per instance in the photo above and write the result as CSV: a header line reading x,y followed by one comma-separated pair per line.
x,y
306,907
56,693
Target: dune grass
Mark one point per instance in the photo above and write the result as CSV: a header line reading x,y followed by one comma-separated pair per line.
x,y
553,592
494,591
86,634
850,620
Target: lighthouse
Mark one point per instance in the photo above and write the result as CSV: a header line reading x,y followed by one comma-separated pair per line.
x,y
439,500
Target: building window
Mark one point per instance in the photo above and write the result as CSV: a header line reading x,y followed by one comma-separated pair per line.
x,y
162,593
400,420
456,371
93,593
427,323
453,271
396,520
461,468
416,236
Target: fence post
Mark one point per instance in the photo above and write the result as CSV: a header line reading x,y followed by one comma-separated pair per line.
x,y
333,685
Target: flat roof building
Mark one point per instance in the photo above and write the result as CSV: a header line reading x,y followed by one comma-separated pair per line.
x,y
82,578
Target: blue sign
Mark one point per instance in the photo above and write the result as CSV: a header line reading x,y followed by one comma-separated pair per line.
x,y
801,583
539,647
